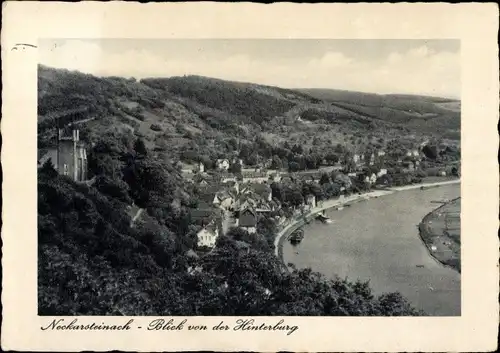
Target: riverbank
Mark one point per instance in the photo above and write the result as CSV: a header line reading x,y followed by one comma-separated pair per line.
x,y
328,204
439,230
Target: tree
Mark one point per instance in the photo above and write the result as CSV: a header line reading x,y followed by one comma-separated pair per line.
x,y
293,166
297,149
276,163
430,152
140,147
48,169
332,158
325,179
235,167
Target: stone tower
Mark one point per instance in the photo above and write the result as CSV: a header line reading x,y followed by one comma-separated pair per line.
x,y
71,155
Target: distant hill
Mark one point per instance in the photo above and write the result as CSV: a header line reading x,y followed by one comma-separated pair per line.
x,y
179,117
420,113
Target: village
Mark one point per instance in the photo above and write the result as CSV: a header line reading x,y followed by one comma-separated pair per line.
x,y
233,195
241,199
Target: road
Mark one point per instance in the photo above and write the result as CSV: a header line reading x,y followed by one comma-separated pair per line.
x,y
136,216
228,221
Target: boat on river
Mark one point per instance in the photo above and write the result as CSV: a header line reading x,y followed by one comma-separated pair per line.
x,y
324,218
296,237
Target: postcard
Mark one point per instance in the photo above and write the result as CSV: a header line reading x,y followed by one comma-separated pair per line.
x,y
249,177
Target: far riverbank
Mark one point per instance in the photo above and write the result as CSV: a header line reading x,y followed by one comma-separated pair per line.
x,y
440,232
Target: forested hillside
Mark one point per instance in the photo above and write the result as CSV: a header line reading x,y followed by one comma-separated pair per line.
x,y
417,113
196,118
91,261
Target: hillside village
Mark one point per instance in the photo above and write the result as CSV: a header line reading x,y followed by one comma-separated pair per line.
x,y
163,183
234,196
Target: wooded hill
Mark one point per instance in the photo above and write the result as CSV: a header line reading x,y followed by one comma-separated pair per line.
x,y
195,117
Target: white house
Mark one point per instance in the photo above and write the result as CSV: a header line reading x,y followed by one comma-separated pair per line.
x,y
380,153
208,235
226,200
223,164
275,177
381,172
311,200
372,159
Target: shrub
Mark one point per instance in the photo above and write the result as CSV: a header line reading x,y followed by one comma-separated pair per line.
x,y
155,127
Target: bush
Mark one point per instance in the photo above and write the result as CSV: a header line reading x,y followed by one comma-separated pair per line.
x,y
155,127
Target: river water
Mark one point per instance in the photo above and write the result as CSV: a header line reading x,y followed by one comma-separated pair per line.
x,y
377,240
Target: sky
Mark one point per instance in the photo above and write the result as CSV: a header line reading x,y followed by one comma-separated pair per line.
x,y
428,67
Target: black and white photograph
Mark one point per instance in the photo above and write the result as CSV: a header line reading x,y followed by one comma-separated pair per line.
x,y
249,177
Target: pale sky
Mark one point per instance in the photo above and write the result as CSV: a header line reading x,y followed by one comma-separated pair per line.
x,y
429,67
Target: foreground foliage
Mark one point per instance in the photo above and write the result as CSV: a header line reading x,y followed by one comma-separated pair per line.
x,y
91,262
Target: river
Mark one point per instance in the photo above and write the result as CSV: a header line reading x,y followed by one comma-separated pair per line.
x,y
377,240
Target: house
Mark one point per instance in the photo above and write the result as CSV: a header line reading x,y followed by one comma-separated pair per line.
x,y
208,235
201,168
255,177
191,254
227,177
205,215
263,206
372,159
222,164
262,190
275,177
409,165
203,179
311,200
237,160
233,187
69,157
226,200
356,158
210,197
248,221
245,201
381,172
380,153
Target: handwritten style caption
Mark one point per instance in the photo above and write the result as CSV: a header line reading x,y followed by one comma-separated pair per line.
x,y
170,325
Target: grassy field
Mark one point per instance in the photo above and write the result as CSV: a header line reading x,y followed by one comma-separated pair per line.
x,y
440,230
